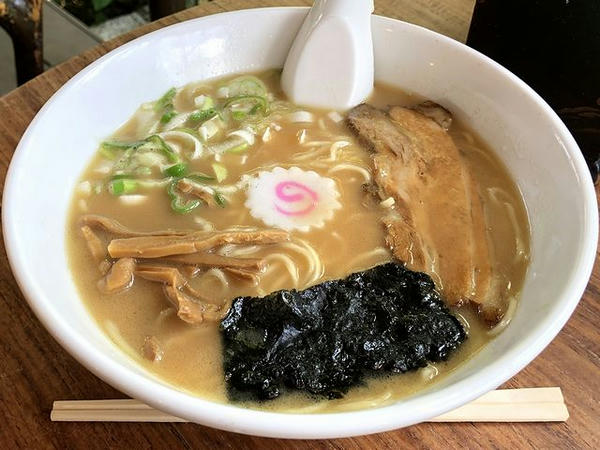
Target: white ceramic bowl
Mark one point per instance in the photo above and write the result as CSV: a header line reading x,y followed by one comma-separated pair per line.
x,y
535,145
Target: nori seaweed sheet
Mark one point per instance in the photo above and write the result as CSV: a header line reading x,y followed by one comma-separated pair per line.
x,y
329,337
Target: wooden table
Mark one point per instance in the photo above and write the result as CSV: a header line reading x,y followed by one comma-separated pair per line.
x,y
35,370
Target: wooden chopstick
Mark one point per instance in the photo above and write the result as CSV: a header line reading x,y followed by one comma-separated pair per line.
x,y
512,405
503,405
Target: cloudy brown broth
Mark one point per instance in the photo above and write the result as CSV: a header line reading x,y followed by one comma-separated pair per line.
x,y
351,241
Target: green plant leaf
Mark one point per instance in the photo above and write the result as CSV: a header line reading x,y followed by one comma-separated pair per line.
x,y
100,4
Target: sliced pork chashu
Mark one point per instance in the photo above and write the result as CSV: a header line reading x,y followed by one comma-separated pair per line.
x,y
437,225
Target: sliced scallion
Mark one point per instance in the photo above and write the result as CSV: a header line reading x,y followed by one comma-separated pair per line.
x,y
118,145
238,115
108,154
125,161
202,115
160,145
254,103
143,171
220,171
167,116
121,176
246,85
176,170
209,103
178,203
165,100
240,148
200,177
110,149
219,199
122,186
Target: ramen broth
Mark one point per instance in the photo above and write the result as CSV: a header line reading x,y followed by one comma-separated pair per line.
x,y
351,241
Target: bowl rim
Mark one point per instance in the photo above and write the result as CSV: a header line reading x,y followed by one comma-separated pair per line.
x,y
288,425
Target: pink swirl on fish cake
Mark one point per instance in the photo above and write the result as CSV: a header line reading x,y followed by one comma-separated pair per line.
x,y
305,193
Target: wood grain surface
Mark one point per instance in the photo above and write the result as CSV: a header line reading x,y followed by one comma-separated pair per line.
x,y
35,370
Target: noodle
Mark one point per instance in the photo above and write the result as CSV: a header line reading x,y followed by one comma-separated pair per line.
x,y
380,400
508,315
519,247
237,250
382,255
205,225
467,136
312,154
288,263
345,166
429,372
475,149
316,143
465,323
335,147
218,275
494,194
168,136
315,264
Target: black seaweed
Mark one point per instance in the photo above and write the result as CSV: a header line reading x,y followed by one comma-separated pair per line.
x,y
331,336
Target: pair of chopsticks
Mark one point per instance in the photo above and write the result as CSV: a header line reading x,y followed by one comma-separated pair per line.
x,y
503,405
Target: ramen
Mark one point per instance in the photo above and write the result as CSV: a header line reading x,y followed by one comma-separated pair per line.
x,y
223,189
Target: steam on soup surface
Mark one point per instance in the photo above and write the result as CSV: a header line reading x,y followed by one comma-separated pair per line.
x,y
222,189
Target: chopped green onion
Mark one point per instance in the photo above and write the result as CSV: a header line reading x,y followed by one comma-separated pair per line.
x,y
260,103
167,116
121,176
108,154
238,115
219,199
238,148
183,207
255,109
165,100
117,145
178,203
125,161
208,103
176,170
163,147
122,186
220,171
203,115
200,177
143,170
108,149
246,85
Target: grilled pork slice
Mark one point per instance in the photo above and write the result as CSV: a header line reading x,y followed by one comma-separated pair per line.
x,y
437,225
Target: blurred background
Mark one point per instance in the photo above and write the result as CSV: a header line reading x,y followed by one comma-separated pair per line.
x,y
72,26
